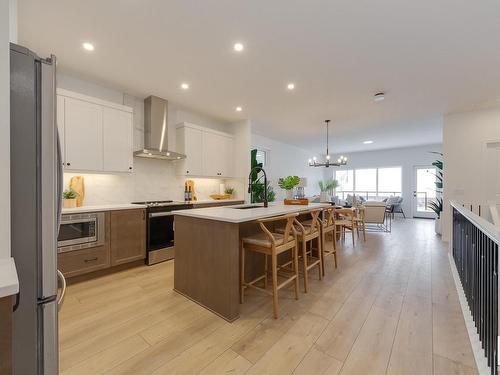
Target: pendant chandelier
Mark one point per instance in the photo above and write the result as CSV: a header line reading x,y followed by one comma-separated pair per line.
x,y
342,160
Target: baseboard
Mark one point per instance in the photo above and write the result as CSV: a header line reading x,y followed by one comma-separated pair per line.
x,y
481,361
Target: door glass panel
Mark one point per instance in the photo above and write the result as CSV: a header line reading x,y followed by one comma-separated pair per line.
x,y
426,189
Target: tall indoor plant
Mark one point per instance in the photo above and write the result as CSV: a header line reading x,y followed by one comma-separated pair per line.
x,y
257,193
437,206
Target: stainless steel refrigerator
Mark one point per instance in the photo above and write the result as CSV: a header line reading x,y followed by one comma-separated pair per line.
x,y
36,184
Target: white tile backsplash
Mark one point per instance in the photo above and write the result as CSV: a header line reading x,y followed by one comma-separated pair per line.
x,y
151,180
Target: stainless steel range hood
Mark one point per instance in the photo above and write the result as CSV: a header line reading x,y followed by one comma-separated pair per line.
x,y
156,131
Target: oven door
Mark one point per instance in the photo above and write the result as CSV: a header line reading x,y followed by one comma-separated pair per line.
x,y
160,230
74,231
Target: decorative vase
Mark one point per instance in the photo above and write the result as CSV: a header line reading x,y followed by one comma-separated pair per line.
x,y
324,197
69,203
289,194
437,226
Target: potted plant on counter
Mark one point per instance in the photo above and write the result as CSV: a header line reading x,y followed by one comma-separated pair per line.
x,y
229,191
69,198
325,188
288,183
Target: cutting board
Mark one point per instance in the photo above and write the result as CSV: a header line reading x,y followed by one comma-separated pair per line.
x,y
77,184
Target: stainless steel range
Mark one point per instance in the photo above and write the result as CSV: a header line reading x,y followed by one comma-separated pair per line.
x,y
160,229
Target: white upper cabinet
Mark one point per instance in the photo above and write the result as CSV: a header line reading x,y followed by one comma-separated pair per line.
x,y
208,153
82,135
190,143
117,140
95,135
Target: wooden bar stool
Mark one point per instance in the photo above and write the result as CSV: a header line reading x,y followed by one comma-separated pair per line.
x,y
345,220
272,244
359,221
328,226
307,231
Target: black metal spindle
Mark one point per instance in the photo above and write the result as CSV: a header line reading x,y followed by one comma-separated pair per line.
x,y
476,259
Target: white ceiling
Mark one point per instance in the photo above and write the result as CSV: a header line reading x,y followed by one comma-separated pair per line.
x,y
430,57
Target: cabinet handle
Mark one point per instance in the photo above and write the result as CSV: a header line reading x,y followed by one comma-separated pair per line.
x,y
68,164
90,260
130,168
187,171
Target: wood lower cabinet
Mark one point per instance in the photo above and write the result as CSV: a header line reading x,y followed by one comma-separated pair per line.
x,y
78,262
6,335
125,242
128,236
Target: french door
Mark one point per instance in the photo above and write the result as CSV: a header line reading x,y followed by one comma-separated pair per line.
x,y
424,191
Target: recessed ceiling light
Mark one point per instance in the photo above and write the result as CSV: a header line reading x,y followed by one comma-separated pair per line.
x,y
238,47
184,86
290,86
379,96
239,109
367,142
88,46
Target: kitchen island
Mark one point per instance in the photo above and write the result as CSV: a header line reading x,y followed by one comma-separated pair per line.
x,y
206,268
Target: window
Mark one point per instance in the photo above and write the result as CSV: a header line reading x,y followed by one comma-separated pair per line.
x,y
389,181
262,157
366,180
345,179
372,183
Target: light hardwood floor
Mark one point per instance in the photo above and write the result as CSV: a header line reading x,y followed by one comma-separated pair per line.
x,y
390,308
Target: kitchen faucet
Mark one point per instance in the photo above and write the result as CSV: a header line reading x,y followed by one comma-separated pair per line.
x,y
258,169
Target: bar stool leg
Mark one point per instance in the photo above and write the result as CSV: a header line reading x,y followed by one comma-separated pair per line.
x,y
322,236
320,256
265,270
295,251
304,264
274,265
242,273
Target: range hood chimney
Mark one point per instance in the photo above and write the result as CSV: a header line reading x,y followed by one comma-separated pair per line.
x,y
156,131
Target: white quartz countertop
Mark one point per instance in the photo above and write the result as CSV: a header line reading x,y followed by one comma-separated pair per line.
x,y
9,283
103,207
233,215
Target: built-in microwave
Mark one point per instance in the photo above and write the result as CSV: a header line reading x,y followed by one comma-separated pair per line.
x,y
79,231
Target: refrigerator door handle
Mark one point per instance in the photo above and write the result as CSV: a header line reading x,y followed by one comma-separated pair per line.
x,y
59,188
49,181
60,299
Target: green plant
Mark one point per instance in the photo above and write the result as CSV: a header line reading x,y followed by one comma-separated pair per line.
x,y
329,185
70,194
437,206
229,190
257,194
288,183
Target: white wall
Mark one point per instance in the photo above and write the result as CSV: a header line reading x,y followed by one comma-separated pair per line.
x,y
8,33
407,158
4,131
152,179
286,160
471,146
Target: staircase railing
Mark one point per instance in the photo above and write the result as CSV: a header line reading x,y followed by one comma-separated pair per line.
x,y
474,246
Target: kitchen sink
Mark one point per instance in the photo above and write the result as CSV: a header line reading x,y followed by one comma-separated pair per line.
x,y
248,207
